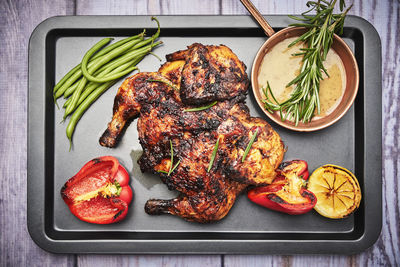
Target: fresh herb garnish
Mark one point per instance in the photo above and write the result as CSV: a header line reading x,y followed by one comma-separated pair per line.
x,y
213,156
249,145
176,165
201,108
171,169
172,158
161,81
304,99
269,105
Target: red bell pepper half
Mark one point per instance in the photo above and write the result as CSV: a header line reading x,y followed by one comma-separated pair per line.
x,y
100,192
287,192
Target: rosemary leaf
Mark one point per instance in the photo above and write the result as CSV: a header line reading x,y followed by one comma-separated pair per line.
x,y
176,165
171,169
172,158
201,108
249,145
213,156
161,81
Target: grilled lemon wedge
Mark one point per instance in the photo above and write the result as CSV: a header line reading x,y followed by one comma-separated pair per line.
x,y
337,190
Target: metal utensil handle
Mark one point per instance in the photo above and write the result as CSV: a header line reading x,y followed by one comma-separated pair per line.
x,y
260,19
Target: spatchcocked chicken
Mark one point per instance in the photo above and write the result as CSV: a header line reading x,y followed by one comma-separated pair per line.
x,y
207,144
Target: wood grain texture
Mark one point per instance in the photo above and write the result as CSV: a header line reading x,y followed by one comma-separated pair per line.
x,y
17,21
148,261
385,16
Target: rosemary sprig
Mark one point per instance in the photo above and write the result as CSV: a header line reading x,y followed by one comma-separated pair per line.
x,y
213,156
249,145
201,108
161,81
304,99
172,159
171,169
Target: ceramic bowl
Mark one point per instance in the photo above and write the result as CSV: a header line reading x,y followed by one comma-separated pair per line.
x,y
320,122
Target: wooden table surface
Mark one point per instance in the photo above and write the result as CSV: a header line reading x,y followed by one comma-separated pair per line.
x,y
18,19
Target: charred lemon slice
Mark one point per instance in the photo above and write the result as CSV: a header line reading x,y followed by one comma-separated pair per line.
x,y
337,190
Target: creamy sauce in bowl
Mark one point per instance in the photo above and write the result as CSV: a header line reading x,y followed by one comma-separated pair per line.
x,y
279,67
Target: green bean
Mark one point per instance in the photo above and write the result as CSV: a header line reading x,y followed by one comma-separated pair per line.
x,y
66,77
129,56
75,97
112,77
125,58
68,83
117,44
85,60
67,102
83,81
83,107
75,73
156,56
122,60
100,53
93,86
98,71
70,90
78,73
149,40
94,60
101,72
103,60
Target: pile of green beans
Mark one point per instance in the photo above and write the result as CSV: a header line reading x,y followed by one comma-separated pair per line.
x,y
101,67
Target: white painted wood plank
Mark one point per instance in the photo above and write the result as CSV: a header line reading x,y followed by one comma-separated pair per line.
x,y
148,261
121,7
184,7
17,21
276,7
151,7
256,260
385,16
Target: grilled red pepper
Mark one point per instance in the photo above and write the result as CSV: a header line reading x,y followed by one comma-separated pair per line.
x,y
287,192
100,192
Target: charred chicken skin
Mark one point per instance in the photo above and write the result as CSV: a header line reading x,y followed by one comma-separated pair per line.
x,y
210,73
194,78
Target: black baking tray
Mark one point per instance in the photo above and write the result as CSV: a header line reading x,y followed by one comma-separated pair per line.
x,y
354,142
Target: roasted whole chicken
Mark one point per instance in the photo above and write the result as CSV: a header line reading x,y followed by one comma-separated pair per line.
x,y
176,116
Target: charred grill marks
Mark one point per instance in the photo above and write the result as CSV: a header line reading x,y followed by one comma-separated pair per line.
x,y
202,74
